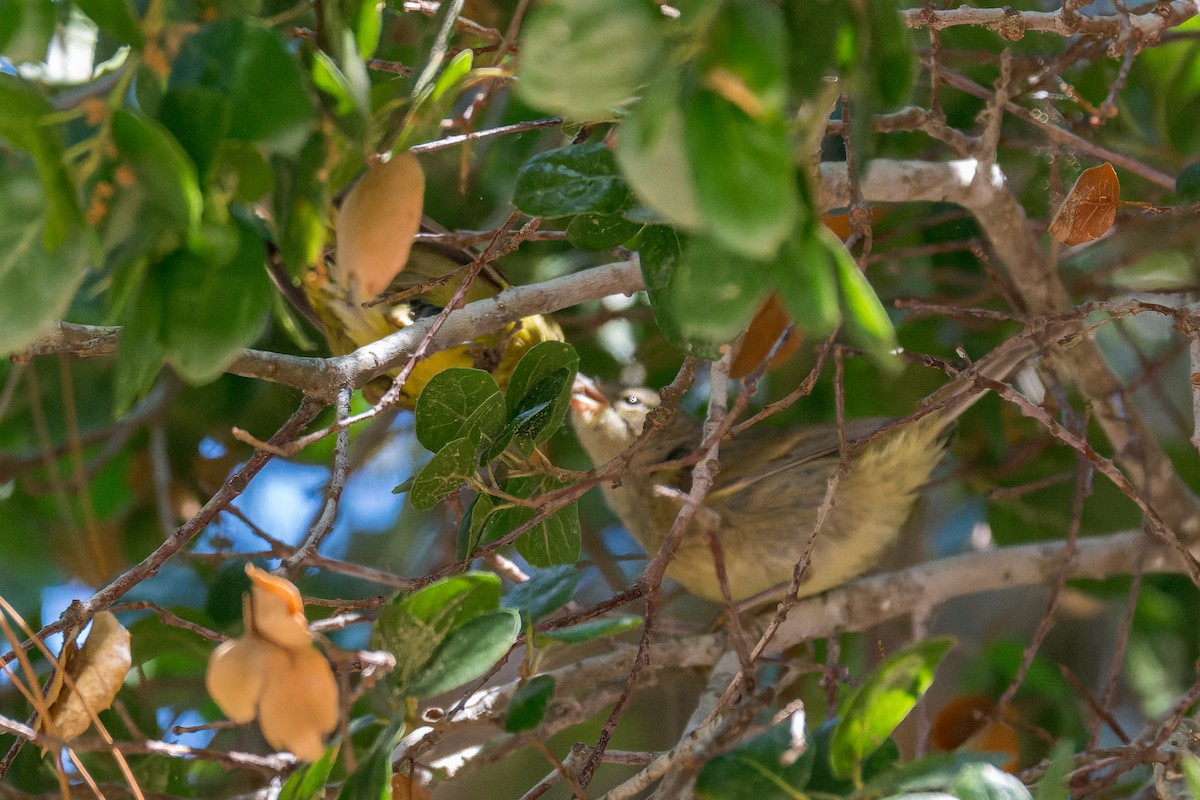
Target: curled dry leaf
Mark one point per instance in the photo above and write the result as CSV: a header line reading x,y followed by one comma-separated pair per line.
x,y
98,670
768,324
277,612
274,673
1090,208
235,675
299,704
377,223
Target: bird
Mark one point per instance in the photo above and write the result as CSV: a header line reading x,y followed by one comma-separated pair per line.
x,y
772,482
348,324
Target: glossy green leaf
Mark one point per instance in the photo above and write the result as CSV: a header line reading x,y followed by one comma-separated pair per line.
x,y
934,772
471,528
21,124
198,118
468,653
141,352
554,540
660,249
889,59
161,166
455,403
867,323
1053,783
652,155
871,714
216,301
529,704
815,28
714,292
600,231
367,23
36,283
744,176
805,278
26,27
412,627
584,58
546,591
118,18
987,782
1187,183
308,782
238,58
556,361
590,630
880,763
449,468
453,75
774,765
373,778
581,179
746,57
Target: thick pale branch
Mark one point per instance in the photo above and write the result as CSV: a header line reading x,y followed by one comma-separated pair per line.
x,y
1012,24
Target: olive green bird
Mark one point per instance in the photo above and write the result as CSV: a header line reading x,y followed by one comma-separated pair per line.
x,y
771,483
348,325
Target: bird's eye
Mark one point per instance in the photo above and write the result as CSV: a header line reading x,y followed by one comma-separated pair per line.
x,y
631,400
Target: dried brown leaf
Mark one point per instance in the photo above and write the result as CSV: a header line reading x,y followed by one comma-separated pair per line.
x,y
98,671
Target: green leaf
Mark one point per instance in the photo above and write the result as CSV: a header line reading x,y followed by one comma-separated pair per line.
x,y
652,155
557,361
21,123
26,27
1189,764
746,56
216,301
545,592
469,652
879,764
37,282
239,58
881,703
1053,785
986,782
472,527
554,540
140,352
815,28
529,704
117,18
584,58
1187,183
413,627
198,117
714,292
745,180
775,765
161,166
454,74
581,179
373,778
456,403
308,782
659,249
449,468
601,231
889,59
867,323
937,771
366,21
805,278
588,631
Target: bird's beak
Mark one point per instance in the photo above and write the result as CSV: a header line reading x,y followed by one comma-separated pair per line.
x,y
586,398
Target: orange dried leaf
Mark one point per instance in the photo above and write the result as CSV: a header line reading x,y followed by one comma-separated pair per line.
x,y
98,670
1090,208
769,323
377,223
299,705
235,675
276,610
